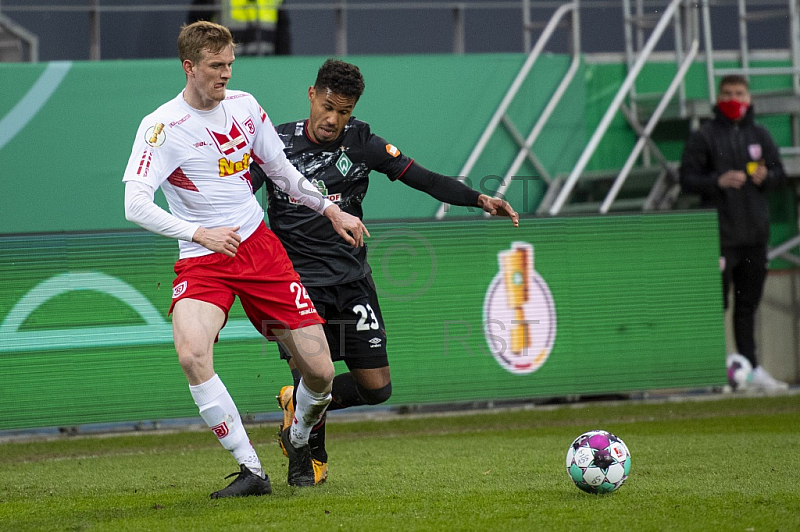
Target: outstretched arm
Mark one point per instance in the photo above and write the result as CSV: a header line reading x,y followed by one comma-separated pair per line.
x,y
498,207
452,191
287,178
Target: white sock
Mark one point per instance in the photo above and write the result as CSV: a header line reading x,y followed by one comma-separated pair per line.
x,y
220,414
307,412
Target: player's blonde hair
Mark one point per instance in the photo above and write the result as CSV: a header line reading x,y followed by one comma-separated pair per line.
x,y
199,36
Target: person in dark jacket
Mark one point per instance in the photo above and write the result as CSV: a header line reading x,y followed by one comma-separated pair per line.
x,y
731,162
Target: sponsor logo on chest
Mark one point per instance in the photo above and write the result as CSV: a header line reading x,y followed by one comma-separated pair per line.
x,y
323,189
229,168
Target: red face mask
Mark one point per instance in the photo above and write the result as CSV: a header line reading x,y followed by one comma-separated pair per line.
x,y
733,109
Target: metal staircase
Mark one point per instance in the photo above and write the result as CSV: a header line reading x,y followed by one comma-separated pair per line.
x,y
647,179
567,15
16,43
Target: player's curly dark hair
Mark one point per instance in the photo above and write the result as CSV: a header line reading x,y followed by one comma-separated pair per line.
x,y
341,78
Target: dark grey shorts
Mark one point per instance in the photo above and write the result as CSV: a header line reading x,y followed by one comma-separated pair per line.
x,y
353,323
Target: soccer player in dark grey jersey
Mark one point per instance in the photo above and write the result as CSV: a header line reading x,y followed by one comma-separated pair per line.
x,y
336,153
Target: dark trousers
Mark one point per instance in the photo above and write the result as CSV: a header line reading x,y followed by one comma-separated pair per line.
x,y
746,270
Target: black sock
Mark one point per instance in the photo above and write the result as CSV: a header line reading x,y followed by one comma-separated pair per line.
x,y
296,379
344,392
316,441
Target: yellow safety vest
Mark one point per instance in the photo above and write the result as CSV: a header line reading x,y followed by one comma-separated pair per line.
x,y
242,12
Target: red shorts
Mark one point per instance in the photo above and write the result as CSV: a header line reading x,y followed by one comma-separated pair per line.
x,y
261,274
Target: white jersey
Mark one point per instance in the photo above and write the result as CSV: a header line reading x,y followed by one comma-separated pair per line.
x,y
204,170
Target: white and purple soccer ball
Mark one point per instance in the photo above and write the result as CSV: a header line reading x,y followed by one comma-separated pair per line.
x,y
740,371
598,462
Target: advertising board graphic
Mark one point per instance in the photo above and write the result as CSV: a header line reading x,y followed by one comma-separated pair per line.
x,y
155,329
519,313
85,336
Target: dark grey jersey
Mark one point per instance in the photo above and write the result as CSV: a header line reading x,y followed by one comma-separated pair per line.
x,y
340,171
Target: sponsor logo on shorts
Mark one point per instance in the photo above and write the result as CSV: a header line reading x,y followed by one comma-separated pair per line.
x,y
179,289
376,342
308,311
221,430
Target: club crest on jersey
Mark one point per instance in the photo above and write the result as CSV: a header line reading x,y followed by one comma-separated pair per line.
x,y
251,127
755,151
343,164
155,135
392,150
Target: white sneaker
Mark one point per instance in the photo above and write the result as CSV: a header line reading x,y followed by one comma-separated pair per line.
x,y
761,380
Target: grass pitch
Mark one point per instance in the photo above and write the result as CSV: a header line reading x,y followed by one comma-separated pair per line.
x,y
711,465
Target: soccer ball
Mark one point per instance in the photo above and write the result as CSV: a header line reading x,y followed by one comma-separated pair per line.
x,y
739,371
598,462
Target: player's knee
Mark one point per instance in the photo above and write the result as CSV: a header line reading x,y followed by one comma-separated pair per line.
x,y
190,356
328,374
375,396
320,375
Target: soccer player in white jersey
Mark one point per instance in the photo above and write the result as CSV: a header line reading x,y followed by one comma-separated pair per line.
x,y
198,148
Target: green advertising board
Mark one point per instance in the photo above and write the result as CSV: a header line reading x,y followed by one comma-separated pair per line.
x,y
474,310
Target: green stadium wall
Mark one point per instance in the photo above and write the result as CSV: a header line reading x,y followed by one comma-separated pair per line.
x,y
66,128
67,155
85,336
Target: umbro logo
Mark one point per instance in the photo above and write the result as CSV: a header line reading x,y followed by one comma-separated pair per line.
x,y
376,342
